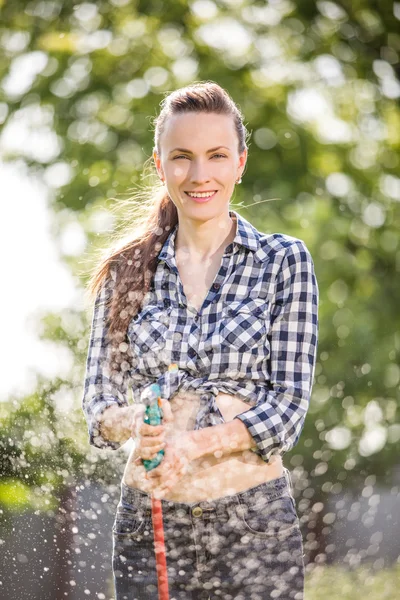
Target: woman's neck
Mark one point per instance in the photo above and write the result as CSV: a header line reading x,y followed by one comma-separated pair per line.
x,y
203,241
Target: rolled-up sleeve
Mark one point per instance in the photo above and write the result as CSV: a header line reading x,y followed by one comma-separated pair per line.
x,y
101,389
276,422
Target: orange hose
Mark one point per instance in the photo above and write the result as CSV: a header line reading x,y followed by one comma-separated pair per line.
x,y
159,548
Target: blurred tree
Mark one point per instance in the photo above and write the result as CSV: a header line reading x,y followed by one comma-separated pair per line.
x,y
318,84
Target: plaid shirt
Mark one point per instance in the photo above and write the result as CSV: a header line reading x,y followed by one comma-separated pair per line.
x,y
255,337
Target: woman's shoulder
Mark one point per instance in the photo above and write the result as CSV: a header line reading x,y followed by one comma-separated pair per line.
x,y
279,245
267,244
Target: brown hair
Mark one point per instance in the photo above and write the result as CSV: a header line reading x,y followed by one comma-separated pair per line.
x,y
134,260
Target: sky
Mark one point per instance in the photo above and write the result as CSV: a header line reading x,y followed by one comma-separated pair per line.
x,y
35,281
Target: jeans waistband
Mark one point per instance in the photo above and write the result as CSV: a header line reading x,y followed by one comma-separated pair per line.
x,y
135,499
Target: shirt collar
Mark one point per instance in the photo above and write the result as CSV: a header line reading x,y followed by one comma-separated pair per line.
x,y
246,235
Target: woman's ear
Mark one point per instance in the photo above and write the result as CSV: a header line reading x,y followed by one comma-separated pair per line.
x,y
157,162
242,162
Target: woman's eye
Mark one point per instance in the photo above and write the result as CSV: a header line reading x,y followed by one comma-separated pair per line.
x,y
213,156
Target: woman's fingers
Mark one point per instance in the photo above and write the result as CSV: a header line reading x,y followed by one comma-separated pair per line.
x,y
168,473
151,442
148,453
151,430
167,414
165,484
150,439
166,470
148,446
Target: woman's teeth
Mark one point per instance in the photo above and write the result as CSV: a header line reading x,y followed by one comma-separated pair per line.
x,y
200,194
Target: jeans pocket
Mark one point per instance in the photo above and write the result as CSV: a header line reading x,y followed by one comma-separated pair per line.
x,y
128,523
269,516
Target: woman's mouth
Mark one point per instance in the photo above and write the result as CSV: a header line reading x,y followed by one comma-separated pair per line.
x,y
201,196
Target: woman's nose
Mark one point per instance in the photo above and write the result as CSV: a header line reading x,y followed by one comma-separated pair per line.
x,y
199,173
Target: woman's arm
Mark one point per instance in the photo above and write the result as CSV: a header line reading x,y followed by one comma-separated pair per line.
x,y
275,424
220,439
105,404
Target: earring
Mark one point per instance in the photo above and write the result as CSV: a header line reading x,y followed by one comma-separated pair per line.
x,y
239,180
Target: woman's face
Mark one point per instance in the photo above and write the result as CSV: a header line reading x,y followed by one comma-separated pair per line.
x,y
199,153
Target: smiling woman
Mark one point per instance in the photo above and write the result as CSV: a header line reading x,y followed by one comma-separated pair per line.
x,y
236,311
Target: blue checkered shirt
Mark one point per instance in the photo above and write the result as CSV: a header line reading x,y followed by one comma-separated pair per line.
x,y
254,337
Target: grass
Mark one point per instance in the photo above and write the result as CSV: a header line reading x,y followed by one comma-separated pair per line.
x,y
338,583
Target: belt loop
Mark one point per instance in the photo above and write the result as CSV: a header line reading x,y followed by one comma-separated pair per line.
x,y
288,479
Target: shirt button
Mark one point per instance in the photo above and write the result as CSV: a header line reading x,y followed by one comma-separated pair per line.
x,y
197,511
191,353
216,286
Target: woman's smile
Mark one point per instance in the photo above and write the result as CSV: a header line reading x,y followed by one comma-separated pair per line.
x,y
201,197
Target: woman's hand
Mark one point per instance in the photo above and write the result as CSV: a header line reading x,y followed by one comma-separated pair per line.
x,y
150,439
172,468
178,453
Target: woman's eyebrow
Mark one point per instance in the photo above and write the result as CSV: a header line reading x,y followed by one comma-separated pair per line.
x,y
190,152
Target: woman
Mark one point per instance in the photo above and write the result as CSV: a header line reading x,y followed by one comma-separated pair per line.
x,y
236,310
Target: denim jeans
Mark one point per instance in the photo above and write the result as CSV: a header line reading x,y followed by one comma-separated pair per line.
x,y
246,546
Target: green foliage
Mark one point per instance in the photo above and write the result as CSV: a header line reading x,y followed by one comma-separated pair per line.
x,y
335,583
43,446
14,494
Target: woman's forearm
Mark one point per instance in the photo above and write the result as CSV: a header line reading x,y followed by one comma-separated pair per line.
x,y
220,439
114,423
117,423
